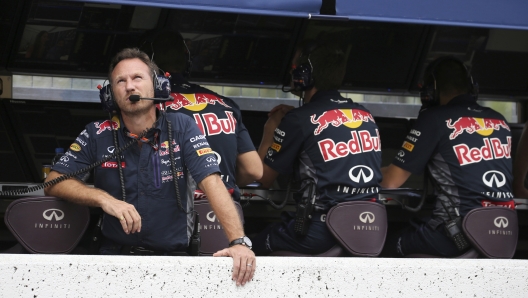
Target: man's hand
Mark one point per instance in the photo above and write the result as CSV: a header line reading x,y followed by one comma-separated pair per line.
x,y
125,212
77,192
244,262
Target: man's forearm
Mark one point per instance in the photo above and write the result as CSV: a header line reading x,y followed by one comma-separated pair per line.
x,y
74,191
223,206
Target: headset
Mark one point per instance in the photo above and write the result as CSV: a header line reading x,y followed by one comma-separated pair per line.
x,y
162,91
302,75
429,94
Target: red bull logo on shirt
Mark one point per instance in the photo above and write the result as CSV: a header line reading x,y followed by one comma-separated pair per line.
x,y
361,141
107,125
194,102
352,118
492,149
164,148
482,126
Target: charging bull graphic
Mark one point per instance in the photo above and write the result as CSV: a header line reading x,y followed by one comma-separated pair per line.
x,y
106,125
194,102
482,126
339,117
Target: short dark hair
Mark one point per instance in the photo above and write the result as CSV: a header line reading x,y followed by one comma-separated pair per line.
x,y
131,53
451,75
167,48
328,63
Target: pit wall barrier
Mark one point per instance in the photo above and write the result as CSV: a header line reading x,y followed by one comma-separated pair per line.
x,y
142,276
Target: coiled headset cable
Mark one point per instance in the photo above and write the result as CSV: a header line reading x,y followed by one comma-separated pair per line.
x,y
57,180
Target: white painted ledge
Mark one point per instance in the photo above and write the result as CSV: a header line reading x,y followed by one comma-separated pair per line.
x,y
136,276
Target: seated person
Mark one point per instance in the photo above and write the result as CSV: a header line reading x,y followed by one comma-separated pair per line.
x,y
219,118
151,213
331,142
465,148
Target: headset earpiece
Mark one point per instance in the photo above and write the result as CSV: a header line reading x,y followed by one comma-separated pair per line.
x,y
162,86
107,98
302,75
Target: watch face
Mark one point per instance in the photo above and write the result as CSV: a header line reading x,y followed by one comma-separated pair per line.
x,y
248,241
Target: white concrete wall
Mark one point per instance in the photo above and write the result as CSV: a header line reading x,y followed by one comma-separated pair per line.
x,y
128,276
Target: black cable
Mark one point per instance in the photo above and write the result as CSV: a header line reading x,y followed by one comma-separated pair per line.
x,y
57,180
174,173
119,166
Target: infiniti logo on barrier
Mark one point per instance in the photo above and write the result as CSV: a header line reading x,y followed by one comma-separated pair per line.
x,y
367,217
494,177
211,216
501,222
357,176
53,213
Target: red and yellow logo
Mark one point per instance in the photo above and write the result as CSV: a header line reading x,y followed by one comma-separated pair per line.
x,y
482,126
408,146
194,102
276,147
352,118
75,147
204,151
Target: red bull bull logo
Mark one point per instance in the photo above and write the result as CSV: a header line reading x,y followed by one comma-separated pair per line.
x,y
194,102
482,126
106,125
164,148
352,118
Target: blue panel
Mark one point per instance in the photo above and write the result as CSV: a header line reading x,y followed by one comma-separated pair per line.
x,y
296,8
508,14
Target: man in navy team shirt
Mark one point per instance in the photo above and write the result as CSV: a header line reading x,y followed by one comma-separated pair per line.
x,y
150,214
464,146
330,141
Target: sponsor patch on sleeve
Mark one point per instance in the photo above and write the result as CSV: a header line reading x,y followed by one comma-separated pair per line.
x,y
75,147
204,151
276,147
408,146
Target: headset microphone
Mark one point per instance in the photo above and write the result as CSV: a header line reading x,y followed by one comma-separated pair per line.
x,y
136,97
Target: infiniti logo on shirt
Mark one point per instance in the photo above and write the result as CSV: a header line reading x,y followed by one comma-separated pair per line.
x,y
496,178
361,172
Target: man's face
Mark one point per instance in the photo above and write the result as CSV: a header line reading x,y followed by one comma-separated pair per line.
x,y
130,77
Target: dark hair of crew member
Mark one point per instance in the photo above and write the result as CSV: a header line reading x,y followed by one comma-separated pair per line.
x,y
451,76
329,66
168,47
131,53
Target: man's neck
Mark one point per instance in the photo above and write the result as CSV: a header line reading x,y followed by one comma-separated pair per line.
x,y
137,124
308,94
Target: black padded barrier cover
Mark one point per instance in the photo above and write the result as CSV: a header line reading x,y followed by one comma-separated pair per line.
x,y
212,235
47,225
360,227
493,231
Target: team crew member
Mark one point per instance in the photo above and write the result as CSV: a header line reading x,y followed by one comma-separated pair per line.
x,y
151,218
465,148
218,117
330,141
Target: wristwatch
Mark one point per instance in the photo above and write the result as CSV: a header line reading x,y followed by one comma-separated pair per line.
x,y
242,240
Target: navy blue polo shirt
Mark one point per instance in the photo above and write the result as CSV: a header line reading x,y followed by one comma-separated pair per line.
x,y
333,141
219,119
148,177
466,148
